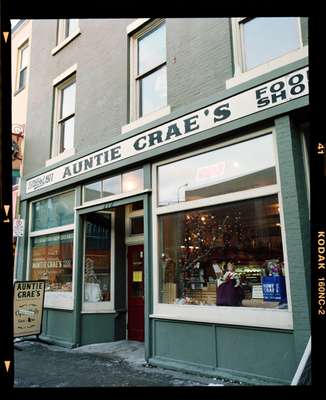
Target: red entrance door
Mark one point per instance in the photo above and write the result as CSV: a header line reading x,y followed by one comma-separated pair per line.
x,y
136,293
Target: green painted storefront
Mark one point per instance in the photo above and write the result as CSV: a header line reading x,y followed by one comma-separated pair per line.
x,y
255,354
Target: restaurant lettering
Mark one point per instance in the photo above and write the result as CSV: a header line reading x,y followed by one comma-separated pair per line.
x,y
92,162
53,264
270,94
282,89
29,289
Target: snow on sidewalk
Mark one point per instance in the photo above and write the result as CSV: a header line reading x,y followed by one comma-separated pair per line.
x,y
129,350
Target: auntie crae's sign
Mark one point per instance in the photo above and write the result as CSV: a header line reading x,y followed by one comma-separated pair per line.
x,y
28,307
270,94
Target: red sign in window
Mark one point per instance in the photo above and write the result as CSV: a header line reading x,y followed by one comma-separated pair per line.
x,y
211,171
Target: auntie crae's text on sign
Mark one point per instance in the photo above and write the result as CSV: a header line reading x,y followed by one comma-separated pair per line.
x,y
28,307
268,95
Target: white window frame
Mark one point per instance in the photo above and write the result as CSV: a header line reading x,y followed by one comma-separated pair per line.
x,y
101,306
245,316
58,88
134,98
21,48
54,299
62,40
240,73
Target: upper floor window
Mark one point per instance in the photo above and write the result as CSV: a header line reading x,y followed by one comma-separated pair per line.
x,y
22,66
148,70
265,39
65,99
263,44
66,28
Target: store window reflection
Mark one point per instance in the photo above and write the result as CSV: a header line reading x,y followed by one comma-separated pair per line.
x,y
97,258
51,243
225,255
114,185
92,191
52,257
246,165
132,181
53,211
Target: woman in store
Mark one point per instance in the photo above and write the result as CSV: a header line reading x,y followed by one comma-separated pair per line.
x,y
229,291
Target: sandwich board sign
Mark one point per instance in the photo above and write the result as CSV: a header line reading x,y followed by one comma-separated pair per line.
x,y
28,307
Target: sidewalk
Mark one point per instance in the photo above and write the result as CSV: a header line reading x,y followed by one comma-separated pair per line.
x,y
119,363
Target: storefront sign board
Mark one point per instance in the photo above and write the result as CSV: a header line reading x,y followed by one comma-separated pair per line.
x,y
267,95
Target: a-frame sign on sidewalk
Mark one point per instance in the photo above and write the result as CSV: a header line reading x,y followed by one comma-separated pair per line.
x,y
28,307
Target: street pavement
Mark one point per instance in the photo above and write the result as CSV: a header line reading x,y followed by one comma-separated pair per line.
x,y
117,364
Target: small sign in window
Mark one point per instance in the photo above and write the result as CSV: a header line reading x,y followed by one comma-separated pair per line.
x,y
137,276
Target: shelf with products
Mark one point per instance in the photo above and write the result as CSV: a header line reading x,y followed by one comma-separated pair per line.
x,y
57,279
201,296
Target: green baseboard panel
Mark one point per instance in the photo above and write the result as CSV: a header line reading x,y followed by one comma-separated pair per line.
x,y
252,353
58,324
236,376
256,351
97,328
189,342
56,341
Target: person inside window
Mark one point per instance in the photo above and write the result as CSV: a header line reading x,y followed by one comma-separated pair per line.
x,y
230,292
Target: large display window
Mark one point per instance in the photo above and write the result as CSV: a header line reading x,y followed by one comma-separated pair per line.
x,y
218,237
51,247
225,255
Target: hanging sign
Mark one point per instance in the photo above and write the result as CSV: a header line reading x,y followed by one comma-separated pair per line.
x,y
270,94
28,307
